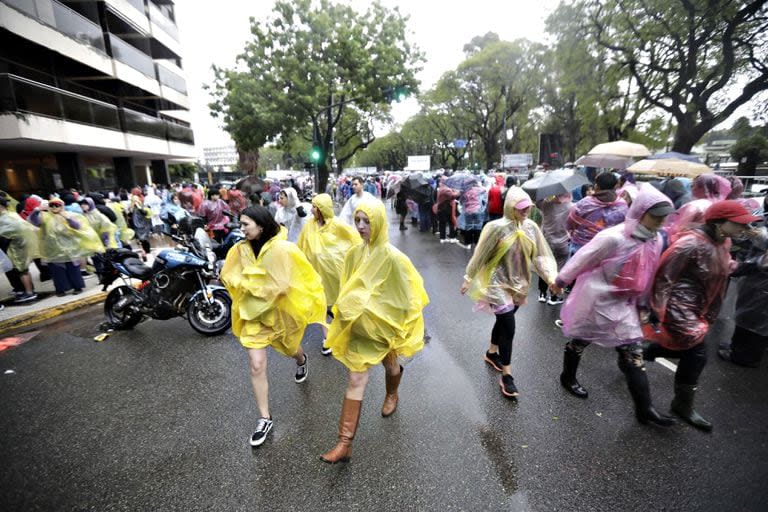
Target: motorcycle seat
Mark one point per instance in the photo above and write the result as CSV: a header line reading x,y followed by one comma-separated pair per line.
x,y
137,268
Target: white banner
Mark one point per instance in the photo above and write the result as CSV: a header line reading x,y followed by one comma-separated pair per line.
x,y
418,163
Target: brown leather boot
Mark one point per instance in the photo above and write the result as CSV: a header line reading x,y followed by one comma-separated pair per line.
x,y
390,401
350,415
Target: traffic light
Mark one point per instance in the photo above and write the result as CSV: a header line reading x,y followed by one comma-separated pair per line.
x,y
316,155
397,93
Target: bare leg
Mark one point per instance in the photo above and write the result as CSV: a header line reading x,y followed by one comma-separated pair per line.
x,y
356,385
258,365
26,280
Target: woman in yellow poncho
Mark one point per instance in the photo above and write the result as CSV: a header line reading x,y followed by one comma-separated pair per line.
x,y
377,317
325,241
21,250
499,274
124,233
65,239
275,294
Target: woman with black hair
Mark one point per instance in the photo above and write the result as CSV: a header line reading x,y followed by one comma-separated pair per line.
x,y
275,294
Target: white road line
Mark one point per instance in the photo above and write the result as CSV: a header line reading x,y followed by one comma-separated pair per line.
x,y
666,364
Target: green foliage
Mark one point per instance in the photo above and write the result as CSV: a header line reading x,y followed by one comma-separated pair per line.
x,y
696,60
182,172
306,60
750,152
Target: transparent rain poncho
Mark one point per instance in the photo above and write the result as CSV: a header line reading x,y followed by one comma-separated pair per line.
x,y
67,237
274,296
507,252
102,225
23,247
613,275
706,189
289,217
380,302
125,233
326,246
592,214
689,288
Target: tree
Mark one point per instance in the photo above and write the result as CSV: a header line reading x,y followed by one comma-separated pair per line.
x,y
696,60
303,67
488,88
750,152
182,172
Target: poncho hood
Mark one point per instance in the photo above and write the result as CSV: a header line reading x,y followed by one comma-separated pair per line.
x,y
711,186
324,203
293,197
377,216
647,197
514,196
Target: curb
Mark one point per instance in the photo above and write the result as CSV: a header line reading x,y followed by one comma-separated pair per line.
x,y
35,317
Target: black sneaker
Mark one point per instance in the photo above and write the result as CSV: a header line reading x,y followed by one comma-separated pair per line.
x,y
494,360
301,370
508,388
542,297
262,429
25,297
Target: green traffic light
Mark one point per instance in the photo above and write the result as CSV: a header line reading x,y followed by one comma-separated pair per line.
x,y
316,155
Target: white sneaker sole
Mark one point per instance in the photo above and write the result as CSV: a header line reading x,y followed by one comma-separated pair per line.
x,y
260,441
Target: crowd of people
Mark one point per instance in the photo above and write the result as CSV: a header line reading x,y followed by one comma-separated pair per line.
x,y
640,267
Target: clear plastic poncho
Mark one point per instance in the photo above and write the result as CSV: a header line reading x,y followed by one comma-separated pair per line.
x,y
591,215
23,247
102,225
326,246
61,241
274,296
380,302
706,190
613,275
289,217
689,288
507,252
125,233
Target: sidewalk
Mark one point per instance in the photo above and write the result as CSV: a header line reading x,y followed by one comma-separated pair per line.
x,y
48,305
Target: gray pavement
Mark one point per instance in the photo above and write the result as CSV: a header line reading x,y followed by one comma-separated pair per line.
x,y
158,419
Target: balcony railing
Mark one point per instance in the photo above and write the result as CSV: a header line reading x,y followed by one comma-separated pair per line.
x,y
63,19
22,96
158,17
131,56
167,77
25,96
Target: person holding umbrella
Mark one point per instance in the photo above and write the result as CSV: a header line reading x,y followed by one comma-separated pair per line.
x,y
613,273
498,276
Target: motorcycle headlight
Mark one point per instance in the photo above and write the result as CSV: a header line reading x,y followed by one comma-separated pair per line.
x,y
211,256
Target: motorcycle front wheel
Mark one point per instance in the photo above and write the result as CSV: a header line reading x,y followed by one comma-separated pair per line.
x,y
117,311
210,318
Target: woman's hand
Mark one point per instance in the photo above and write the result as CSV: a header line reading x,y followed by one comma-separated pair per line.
x,y
464,287
556,290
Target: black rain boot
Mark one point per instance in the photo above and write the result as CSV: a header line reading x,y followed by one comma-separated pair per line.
x,y
682,405
637,382
571,360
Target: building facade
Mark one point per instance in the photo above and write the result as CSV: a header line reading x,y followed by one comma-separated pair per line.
x,y
92,95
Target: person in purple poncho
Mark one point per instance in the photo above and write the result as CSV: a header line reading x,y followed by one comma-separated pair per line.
x,y
613,275
594,213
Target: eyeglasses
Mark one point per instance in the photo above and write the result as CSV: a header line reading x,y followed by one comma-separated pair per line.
x,y
55,206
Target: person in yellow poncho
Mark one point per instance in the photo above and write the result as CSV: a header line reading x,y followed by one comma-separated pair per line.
x,y
65,239
325,241
377,317
499,274
22,249
124,233
275,294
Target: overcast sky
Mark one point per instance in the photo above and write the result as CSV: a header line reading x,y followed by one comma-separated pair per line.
x,y
215,32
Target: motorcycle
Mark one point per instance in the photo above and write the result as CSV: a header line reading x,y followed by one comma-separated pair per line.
x,y
177,284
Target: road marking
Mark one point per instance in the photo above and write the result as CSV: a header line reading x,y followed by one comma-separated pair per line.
x,y
666,364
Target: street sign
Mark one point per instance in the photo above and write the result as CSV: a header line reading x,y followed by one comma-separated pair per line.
x,y
460,143
517,160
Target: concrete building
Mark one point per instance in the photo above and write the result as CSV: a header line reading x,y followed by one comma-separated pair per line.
x,y
92,94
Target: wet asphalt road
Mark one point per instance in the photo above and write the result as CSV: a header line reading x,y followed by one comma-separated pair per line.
x,y
158,419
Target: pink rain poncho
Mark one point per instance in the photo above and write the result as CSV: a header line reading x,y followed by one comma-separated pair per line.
x,y
593,214
689,288
613,275
706,189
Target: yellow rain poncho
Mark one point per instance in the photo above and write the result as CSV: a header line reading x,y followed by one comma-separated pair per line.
x,y
380,302
125,233
508,250
274,296
23,237
326,246
60,242
102,225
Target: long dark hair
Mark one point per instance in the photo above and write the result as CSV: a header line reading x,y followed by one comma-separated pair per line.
x,y
263,218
